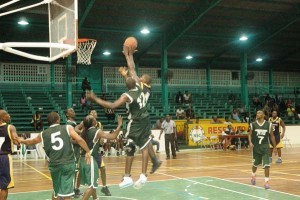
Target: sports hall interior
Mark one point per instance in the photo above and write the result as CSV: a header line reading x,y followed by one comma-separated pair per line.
x,y
214,49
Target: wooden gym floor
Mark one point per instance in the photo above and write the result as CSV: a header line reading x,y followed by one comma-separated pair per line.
x,y
195,174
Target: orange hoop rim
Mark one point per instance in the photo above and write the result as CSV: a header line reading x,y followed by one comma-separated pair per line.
x,y
80,40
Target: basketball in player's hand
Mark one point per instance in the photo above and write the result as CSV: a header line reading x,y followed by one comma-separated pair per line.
x,y
131,42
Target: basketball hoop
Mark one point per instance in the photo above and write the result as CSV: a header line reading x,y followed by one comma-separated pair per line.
x,y
85,50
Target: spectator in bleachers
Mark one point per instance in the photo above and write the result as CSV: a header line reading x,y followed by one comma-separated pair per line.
x,y
85,85
282,107
227,121
267,110
215,120
289,102
83,101
256,102
244,141
159,123
180,114
110,115
197,120
231,98
235,115
37,121
267,99
179,98
189,113
187,98
291,112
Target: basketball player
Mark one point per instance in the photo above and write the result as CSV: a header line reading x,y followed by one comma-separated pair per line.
x,y
101,165
259,134
89,173
8,137
276,123
144,81
70,114
60,153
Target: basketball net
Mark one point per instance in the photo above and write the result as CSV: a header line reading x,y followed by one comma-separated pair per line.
x,y
85,50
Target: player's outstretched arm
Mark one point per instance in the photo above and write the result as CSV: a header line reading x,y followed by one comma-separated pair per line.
x,y
81,142
106,104
124,72
111,136
15,139
31,142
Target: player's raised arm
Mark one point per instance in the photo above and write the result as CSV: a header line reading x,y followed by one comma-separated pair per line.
x,y
128,52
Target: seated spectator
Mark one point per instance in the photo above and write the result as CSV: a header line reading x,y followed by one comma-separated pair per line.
x,y
227,121
231,98
37,121
289,102
267,110
291,112
187,99
243,113
155,143
215,120
256,102
186,124
244,141
189,113
83,101
159,122
180,114
282,107
235,115
85,85
110,115
179,98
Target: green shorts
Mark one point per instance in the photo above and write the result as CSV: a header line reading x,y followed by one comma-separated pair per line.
x,y
139,131
89,173
63,179
261,157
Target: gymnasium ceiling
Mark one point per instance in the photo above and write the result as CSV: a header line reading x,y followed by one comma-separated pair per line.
x,y
208,30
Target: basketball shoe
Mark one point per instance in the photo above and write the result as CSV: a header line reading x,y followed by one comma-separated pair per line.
x,y
126,182
140,182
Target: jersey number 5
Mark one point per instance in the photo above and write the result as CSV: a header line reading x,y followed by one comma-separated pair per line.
x,y
54,139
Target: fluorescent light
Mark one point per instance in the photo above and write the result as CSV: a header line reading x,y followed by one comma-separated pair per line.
x,y
145,31
106,53
259,59
243,38
188,57
23,22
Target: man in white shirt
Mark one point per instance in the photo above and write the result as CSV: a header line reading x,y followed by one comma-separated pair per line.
x,y
169,128
180,113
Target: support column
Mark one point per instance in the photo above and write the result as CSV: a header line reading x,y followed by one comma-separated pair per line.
x,y
52,74
208,79
69,81
270,81
244,84
164,69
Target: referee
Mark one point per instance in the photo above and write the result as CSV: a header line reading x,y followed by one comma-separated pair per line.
x,y
169,128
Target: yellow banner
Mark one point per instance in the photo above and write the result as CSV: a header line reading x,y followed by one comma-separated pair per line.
x,y
205,134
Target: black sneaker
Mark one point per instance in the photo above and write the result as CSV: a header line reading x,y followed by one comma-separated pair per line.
x,y
105,191
155,166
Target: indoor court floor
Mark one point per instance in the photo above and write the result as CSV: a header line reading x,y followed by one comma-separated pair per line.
x,y
195,174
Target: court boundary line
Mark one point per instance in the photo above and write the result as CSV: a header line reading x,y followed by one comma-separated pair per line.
x,y
49,178
229,190
255,186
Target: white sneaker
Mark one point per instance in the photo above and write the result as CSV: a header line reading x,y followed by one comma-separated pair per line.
x,y
127,181
140,182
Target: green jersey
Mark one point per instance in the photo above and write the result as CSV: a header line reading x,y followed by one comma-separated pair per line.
x,y
92,144
137,108
260,135
72,123
57,145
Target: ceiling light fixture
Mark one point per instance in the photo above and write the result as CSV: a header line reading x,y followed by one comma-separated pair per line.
x,y
23,21
188,57
259,59
106,53
145,31
243,38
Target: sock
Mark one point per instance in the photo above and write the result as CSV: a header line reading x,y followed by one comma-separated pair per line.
x,y
267,179
253,174
279,158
